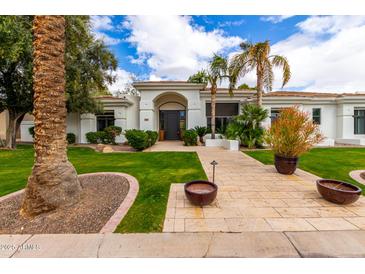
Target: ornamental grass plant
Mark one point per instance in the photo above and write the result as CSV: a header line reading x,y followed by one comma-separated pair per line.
x,y
293,133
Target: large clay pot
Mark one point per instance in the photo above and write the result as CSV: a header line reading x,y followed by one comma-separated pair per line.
x,y
338,192
201,193
161,134
286,165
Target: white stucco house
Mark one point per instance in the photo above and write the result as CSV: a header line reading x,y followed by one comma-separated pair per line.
x,y
176,105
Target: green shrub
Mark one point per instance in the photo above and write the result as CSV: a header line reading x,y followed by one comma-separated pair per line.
x,y
138,139
247,126
201,131
190,138
103,137
31,131
112,132
92,137
71,138
152,137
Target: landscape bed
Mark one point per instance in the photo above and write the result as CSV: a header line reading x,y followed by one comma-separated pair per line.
x,y
155,172
329,163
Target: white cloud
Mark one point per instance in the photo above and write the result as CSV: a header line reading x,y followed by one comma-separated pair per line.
x,y
275,18
123,81
100,24
327,54
172,47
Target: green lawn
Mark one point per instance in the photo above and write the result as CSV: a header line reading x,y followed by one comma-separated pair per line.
x,y
335,163
155,171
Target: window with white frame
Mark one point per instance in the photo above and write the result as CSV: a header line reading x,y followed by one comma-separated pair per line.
x,y
359,121
274,114
316,115
105,119
224,113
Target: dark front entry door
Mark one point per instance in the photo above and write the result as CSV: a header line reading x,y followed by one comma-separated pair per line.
x,y
171,124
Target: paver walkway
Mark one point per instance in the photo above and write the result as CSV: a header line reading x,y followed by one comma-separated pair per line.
x,y
254,197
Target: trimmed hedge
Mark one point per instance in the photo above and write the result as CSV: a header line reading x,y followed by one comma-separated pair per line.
x,y
71,138
112,132
31,131
107,136
140,139
190,138
152,137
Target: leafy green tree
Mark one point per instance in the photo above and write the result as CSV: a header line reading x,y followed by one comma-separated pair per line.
x,y
257,57
199,78
246,87
16,94
88,61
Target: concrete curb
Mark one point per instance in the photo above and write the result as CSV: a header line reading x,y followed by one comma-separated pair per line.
x,y
355,174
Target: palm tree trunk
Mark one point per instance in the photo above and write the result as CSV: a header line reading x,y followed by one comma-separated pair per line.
x,y
259,87
213,92
53,182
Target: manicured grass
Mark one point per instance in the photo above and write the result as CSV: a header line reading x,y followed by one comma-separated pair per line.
x,y
334,163
155,171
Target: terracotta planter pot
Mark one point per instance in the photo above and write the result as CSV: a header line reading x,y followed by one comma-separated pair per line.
x,y
286,165
338,192
201,193
161,134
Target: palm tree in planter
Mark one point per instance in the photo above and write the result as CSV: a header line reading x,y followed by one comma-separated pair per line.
x,y
53,182
257,57
290,135
217,72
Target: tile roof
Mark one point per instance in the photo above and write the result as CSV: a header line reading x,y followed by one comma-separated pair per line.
x,y
310,94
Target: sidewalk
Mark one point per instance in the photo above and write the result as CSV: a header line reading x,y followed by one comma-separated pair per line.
x,y
190,245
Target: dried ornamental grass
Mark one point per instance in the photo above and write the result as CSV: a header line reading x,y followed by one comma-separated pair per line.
x,y
293,133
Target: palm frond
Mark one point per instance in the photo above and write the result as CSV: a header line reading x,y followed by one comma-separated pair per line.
x,y
282,62
268,75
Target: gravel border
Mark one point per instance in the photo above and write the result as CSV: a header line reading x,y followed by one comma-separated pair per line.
x,y
120,212
128,201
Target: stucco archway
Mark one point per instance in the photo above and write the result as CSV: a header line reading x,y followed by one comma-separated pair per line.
x,y
171,118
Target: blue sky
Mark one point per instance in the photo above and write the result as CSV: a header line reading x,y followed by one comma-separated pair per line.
x,y
173,47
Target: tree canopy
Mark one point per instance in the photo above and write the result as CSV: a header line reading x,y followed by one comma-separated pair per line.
x,y
89,66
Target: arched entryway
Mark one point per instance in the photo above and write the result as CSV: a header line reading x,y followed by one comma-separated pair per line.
x,y
171,118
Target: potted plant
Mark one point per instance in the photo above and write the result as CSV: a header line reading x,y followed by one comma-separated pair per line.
x,y
161,132
290,135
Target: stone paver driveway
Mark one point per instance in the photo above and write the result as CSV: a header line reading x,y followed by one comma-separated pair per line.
x,y
254,197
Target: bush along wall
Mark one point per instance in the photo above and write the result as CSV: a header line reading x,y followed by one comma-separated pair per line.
x,y
140,139
190,138
107,136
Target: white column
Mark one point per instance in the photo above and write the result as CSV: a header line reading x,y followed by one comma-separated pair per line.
x,y
147,115
87,124
195,115
345,121
120,115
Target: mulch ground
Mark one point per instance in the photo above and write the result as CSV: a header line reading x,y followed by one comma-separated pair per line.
x,y
100,199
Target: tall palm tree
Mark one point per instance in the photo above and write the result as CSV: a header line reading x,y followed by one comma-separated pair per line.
x,y
257,56
53,182
217,71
